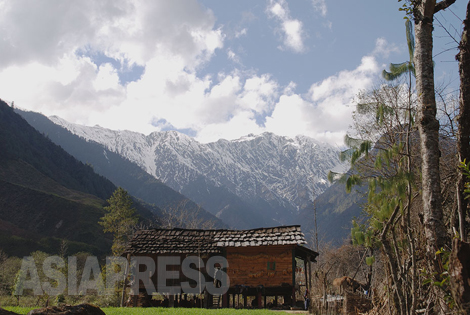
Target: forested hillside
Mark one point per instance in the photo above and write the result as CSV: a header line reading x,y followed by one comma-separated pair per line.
x,y
46,195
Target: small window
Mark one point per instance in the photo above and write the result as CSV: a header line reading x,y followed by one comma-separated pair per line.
x,y
271,265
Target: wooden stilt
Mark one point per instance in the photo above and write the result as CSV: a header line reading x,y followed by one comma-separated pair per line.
x,y
126,272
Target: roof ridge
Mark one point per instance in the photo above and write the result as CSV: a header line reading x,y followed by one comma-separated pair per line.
x,y
226,230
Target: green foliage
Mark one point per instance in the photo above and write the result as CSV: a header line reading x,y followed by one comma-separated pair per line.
x,y
443,281
398,69
356,149
119,219
19,309
19,283
387,117
466,171
364,236
370,260
361,235
349,180
407,7
389,179
9,267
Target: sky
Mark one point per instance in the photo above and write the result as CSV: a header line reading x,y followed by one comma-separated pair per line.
x,y
211,69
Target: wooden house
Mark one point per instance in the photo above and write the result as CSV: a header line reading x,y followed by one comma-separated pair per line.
x,y
261,262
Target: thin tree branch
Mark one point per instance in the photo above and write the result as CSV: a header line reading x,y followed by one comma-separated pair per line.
x,y
445,29
443,5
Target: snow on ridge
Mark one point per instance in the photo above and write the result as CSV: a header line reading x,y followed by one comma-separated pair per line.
x,y
248,137
116,141
279,168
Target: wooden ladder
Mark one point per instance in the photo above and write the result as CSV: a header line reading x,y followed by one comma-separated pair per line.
x,y
216,301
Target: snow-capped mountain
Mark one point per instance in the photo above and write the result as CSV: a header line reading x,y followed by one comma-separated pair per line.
x,y
274,175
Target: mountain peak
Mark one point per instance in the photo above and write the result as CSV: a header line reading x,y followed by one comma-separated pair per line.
x,y
277,175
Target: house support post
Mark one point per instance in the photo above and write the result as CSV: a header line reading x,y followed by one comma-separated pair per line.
x,y
293,297
225,300
306,276
293,277
126,272
207,296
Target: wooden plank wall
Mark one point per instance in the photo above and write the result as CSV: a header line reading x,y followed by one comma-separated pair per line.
x,y
249,265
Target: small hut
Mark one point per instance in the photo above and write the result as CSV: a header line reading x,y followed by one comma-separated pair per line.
x,y
260,263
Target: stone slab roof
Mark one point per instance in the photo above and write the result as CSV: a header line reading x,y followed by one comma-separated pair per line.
x,y
184,241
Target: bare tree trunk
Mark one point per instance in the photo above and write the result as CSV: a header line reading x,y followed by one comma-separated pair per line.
x,y
463,135
407,217
428,127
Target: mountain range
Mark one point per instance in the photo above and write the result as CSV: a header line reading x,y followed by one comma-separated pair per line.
x,y
254,181
120,171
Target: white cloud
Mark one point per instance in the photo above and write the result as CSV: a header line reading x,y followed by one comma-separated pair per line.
x,y
241,33
320,6
328,25
231,55
346,82
325,112
122,29
383,48
106,78
290,88
44,49
291,29
259,94
172,40
169,39
230,129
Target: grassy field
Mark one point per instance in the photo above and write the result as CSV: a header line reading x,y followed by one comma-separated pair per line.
x,y
163,311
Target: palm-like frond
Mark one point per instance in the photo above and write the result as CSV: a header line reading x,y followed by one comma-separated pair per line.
x,y
357,148
410,39
351,142
344,178
398,69
383,111
337,177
